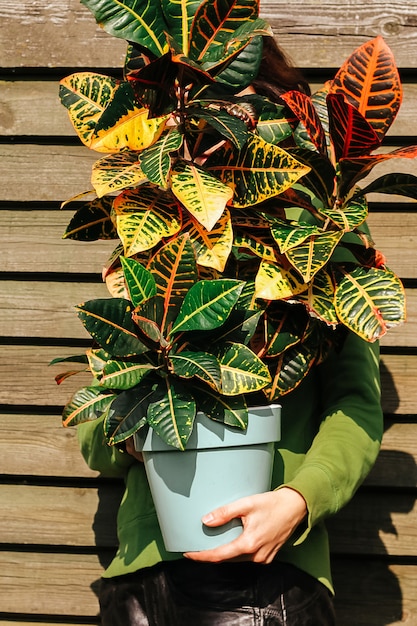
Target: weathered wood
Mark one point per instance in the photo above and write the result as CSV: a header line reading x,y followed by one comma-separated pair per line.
x,y
38,445
26,379
65,172
56,35
63,587
82,517
21,233
66,516
374,593
47,309
18,116
395,233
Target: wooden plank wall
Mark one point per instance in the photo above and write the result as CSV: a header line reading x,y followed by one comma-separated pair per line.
x,y
56,532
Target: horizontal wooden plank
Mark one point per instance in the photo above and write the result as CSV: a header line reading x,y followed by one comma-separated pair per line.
x,y
50,307
45,309
314,34
373,593
372,524
376,524
38,445
64,172
60,516
27,379
395,233
25,230
370,594
64,583
20,117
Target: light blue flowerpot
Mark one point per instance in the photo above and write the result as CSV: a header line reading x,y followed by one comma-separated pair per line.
x,y
219,465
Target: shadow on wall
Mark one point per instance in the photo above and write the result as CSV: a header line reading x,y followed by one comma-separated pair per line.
x,y
368,593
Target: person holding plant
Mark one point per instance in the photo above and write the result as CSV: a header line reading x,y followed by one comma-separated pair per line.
x,y
278,570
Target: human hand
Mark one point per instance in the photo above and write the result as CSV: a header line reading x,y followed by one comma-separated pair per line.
x,y
130,449
269,519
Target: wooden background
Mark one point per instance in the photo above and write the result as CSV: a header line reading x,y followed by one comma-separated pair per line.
x,y
55,533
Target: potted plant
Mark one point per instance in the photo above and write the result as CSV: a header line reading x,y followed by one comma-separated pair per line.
x,y
239,262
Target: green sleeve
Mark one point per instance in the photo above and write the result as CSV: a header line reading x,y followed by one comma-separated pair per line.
x,y
107,460
348,441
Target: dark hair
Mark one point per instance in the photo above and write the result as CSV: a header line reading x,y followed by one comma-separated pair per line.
x,y
277,73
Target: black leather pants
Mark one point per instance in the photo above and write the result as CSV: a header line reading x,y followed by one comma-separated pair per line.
x,y
184,593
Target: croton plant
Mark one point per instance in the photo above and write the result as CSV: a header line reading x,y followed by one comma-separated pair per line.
x,y
242,255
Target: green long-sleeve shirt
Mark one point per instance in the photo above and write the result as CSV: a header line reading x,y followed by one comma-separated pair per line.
x,y
331,432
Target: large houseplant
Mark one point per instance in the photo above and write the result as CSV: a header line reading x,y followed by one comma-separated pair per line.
x,y
238,263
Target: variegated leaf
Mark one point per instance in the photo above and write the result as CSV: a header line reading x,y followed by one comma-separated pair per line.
x,y
109,322
127,413
174,269
212,247
203,365
139,21
241,370
215,21
289,235
172,413
289,370
140,282
145,216
86,96
311,255
86,404
97,359
125,124
369,301
116,284
116,172
227,125
93,221
230,410
276,282
257,172
280,328
124,374
207,305
348,216
370,81
203,195
272,125
257,244
319,297
179,16
156,160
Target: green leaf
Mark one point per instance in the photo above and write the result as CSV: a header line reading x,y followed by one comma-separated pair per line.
x,y
172,413
116,172
203,195
212,247
228,126
241,370
348,216
109,322
86,404
291,234
272,125
124,374
137,21
203,365
145,216
156,160
256,173
369,301
230,410
179,16
207,305
290,369
140,282
127,413
319,297
92,221
398,184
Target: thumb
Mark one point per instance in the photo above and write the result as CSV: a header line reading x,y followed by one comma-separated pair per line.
x,y
223,514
